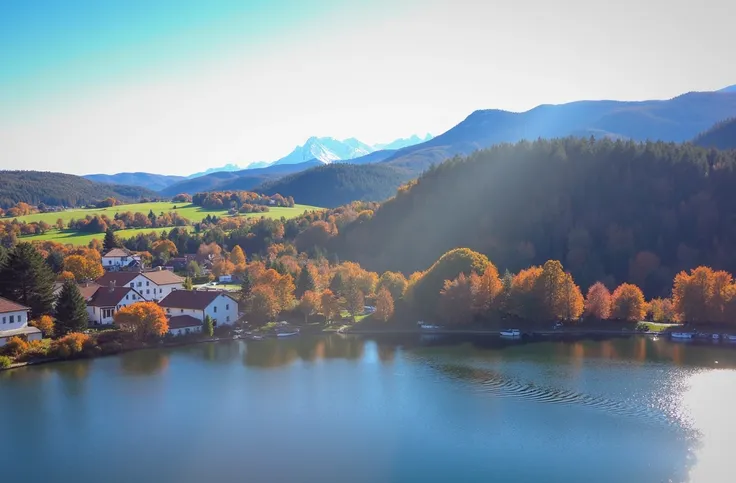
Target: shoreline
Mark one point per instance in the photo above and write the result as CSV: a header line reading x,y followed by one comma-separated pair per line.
x,y
376,331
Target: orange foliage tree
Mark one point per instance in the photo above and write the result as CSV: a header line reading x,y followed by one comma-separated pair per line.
x,y
309,304
223,266
661,310
45,324
627,303
164,249
143,319
330,305
457,299
83,267
262,304
384,305
703,295
237,257
70,345
598,302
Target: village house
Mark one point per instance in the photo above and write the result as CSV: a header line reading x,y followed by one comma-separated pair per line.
x,y
184,324
106,301
120,259
87,289
14,322
219,305
152,285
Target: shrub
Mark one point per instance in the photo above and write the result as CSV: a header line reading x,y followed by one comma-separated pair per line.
x,y
15,347
5,362
71,345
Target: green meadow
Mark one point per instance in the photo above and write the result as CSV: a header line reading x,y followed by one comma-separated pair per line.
x,y
187,210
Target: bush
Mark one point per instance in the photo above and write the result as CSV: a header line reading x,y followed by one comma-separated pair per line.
x,y
15,347
37,349
5,362
71,345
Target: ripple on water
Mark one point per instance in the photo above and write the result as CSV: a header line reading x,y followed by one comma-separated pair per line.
x,y
493,383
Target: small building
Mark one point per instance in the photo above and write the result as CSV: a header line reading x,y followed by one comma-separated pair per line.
x,y
153,285
218,304
120,259
14,322
87,289
106,301
184,324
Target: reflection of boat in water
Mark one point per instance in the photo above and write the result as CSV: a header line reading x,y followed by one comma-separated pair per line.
x,y
287,333
510,333
682,335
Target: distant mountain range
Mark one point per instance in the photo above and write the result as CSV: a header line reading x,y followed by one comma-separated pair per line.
x,y
679,119
155,182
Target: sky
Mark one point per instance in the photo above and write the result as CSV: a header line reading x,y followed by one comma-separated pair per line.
x,y
179,86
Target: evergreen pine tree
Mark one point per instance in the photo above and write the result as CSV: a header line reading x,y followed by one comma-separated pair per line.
x,y
25,278
304,283
55,261
337,284
111,241
245,286
188,283
208,327
71,310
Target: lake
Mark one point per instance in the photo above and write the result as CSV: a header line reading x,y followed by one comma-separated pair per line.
x,y
350,409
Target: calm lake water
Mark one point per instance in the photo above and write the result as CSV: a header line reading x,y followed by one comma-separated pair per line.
x,y
348,409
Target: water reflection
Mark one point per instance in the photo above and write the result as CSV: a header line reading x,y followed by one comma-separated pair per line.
x,y
276,353
144,363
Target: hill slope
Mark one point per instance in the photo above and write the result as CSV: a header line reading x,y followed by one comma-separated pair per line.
x,y
155,182
245,179
340,183
678,119
610,211
720,136
58,189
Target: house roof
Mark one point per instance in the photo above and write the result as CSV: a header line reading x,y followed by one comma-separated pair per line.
x,y
163,277
88,289
117,252
183,321
120,278
109,296
27,330
192,299
10,306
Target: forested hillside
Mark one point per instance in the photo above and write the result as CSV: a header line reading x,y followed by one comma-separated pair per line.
x,y
609,210
155,182
58,189
339,183
720,136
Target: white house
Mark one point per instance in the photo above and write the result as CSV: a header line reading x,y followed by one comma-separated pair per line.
x,y
219,305
101,307
120,258
184,324
153,285
14,322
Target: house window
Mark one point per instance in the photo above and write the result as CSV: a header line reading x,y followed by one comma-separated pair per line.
x,y
168,310
227,306
12,319
215,309
160,290
107,313
4,320
182,310
132,285
227,318
148,291
126,297
187,330
140,284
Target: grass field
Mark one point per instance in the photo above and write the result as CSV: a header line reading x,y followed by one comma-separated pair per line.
x,y
187,210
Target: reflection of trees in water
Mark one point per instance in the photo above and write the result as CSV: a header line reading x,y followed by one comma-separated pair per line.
x,y
144,363
275,352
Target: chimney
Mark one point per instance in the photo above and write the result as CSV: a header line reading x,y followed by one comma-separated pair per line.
x,y
112,286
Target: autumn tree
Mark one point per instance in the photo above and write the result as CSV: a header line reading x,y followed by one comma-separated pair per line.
x,y
702,295
60,224
354,300
262,305
164,249
211,249
222,267
457,299
143,319
627,303
309,304
522,300
489,290
598,302
70,345
661,310
45,324
394,282
237,257
83,268
71,310
187,285
384,305
330,305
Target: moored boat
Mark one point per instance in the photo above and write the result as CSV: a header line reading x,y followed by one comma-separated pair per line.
x,y
510,333
682,335
287,333
729,337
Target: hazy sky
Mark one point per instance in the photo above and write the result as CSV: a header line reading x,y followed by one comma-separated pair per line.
x,y
177,86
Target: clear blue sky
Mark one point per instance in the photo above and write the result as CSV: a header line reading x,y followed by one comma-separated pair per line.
x,y
179,86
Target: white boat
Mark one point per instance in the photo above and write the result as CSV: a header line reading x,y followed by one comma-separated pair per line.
x,y
715,336
682,335
729,337
287,334
423,325
511,333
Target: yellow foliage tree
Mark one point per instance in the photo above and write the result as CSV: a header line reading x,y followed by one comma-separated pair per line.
x,y
330,305
309,304
627,303
384,305
45,324
237,256
144,319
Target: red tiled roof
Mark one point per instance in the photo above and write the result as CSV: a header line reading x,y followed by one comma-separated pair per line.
x,y
10,306
163,277
183,321
109,297
191,299
88,290
121,279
